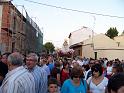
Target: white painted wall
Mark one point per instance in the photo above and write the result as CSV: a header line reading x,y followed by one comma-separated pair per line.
x,y
80,35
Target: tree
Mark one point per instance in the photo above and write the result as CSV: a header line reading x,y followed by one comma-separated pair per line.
x,y
112,32
49,47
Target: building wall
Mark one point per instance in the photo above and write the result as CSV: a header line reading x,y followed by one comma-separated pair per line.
x,y
1,8
18,34
120,40
34,39
11,23
104,47
78,51
99,46
101,41
111,54
87,51
80,35
5,36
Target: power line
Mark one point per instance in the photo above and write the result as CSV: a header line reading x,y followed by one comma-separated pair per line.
x,y
74,10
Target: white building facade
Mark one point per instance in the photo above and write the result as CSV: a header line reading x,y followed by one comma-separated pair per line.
x,y
98,46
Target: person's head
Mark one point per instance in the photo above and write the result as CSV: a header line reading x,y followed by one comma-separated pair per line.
x,y
109,63
50,59
75,64
116,83
43,61
76,74
57,64
86,67
61,62
96,70
91,62
52,85
14,60
4,57
116,68
65,65
31,60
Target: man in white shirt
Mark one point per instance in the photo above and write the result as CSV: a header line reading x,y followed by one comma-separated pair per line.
x,y
18,79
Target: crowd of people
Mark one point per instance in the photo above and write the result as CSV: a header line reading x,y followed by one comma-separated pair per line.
x,y
49,74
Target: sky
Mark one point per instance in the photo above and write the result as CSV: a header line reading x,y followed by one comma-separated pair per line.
x,y
56,24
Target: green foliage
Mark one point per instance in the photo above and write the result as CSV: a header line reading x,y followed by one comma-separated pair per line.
x,y
112,32
49,47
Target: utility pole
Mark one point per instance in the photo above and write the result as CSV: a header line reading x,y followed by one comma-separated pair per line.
x,y
94,20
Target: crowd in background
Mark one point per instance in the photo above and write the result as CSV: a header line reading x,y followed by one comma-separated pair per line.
x,y
48,74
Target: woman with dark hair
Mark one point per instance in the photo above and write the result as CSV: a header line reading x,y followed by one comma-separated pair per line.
x,y
116,83
65,72
75,84
97,82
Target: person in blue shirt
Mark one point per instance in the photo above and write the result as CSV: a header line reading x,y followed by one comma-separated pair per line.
x,y
75,84
50,63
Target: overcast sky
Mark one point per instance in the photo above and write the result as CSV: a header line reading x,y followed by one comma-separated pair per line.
x,y
56,23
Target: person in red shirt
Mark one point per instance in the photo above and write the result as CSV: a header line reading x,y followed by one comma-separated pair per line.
x,y
65,72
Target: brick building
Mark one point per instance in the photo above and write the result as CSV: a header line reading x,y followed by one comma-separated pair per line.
x,y
18,33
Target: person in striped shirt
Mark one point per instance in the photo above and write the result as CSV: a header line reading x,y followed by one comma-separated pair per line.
x,y
0,90
40,75
18,79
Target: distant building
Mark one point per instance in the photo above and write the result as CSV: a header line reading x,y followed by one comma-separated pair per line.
x,y
100,46
18,33
103,46
77,37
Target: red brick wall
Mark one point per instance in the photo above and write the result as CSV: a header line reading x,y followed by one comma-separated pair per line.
x,y
5,36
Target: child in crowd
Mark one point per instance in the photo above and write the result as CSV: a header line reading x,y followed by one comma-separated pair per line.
x,y
53,86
